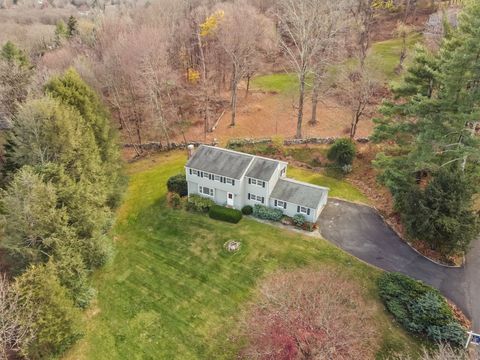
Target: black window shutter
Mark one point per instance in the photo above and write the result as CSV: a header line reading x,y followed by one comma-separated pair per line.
x,y
275,202
298,208
248,196
190,171
284,205
201,173
263,183
308,211
233,182
263,199
249,180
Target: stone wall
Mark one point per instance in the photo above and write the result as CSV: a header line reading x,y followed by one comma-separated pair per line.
x,y
314,140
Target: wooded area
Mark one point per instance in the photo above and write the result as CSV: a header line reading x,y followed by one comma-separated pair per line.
x,y
134,73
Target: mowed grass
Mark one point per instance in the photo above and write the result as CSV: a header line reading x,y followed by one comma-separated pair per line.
x,y
383,59
173,292
283,83
338,188
384,56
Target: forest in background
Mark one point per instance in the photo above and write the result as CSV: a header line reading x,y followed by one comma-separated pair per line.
x,y
77,82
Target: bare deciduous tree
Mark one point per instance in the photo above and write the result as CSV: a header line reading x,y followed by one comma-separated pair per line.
x,y
334,21
302,36
13,329
310,314
241,35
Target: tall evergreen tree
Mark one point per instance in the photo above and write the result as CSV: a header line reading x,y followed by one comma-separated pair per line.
x,y
48,312
71,90
434,118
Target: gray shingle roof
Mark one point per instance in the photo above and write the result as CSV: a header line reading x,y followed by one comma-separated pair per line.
x,y
262,169
298,193
219,161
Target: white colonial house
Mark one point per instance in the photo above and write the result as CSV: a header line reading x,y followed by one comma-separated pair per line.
x,y
236,179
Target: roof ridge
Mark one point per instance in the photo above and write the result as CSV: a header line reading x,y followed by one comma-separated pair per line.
x,y
242,153
304,183
228,150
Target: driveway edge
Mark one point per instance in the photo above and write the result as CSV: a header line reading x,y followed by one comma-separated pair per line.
x,y
401,237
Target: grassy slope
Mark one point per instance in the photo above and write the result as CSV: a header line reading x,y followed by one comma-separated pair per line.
x,y
383,58
173,292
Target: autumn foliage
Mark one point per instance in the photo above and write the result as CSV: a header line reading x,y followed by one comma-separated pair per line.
x,y
310,314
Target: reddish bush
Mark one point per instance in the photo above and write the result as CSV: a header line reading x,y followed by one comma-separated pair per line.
x,y
315,314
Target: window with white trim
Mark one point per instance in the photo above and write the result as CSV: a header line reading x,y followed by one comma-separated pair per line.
x,y
194,172
256,182
216,177
280,204
206,175
205,190
256,198
229,181
303,210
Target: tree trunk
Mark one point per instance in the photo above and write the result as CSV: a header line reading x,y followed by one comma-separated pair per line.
x,y
301,100
204,85
248,85
315,90
233,102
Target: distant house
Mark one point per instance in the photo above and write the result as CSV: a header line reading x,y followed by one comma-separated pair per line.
x,y
236,179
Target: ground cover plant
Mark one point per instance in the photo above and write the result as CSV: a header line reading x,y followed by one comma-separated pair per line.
x,y
420,309
173,291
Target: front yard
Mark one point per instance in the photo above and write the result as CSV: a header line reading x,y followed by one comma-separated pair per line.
x,y
173,292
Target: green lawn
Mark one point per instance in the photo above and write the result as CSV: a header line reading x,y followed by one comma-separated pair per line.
x,y
385,55
383,58
172,292
284,83
338,188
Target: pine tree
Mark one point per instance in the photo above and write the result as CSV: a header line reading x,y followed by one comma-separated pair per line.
x,y
73,91
433,120
72,26
61,32
11,53
48,312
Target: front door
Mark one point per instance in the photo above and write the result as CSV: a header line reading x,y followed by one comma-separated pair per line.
x,y
229,199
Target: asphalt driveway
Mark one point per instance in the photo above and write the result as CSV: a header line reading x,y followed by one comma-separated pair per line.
x,y
360,230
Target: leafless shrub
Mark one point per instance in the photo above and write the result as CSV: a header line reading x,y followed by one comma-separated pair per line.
x,y
13,331
310,314
443,352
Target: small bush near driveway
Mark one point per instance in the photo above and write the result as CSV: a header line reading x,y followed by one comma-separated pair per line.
x,y
420,308
225,214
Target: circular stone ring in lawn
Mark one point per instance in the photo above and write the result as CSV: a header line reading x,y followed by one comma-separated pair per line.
x,y
232,246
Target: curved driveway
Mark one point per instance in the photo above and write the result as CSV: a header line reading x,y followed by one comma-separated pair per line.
x,y
359,230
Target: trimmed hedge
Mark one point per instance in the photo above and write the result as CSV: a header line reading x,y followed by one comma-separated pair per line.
x,y
178,184
225,214
199,203
247,210
266,213
420,309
